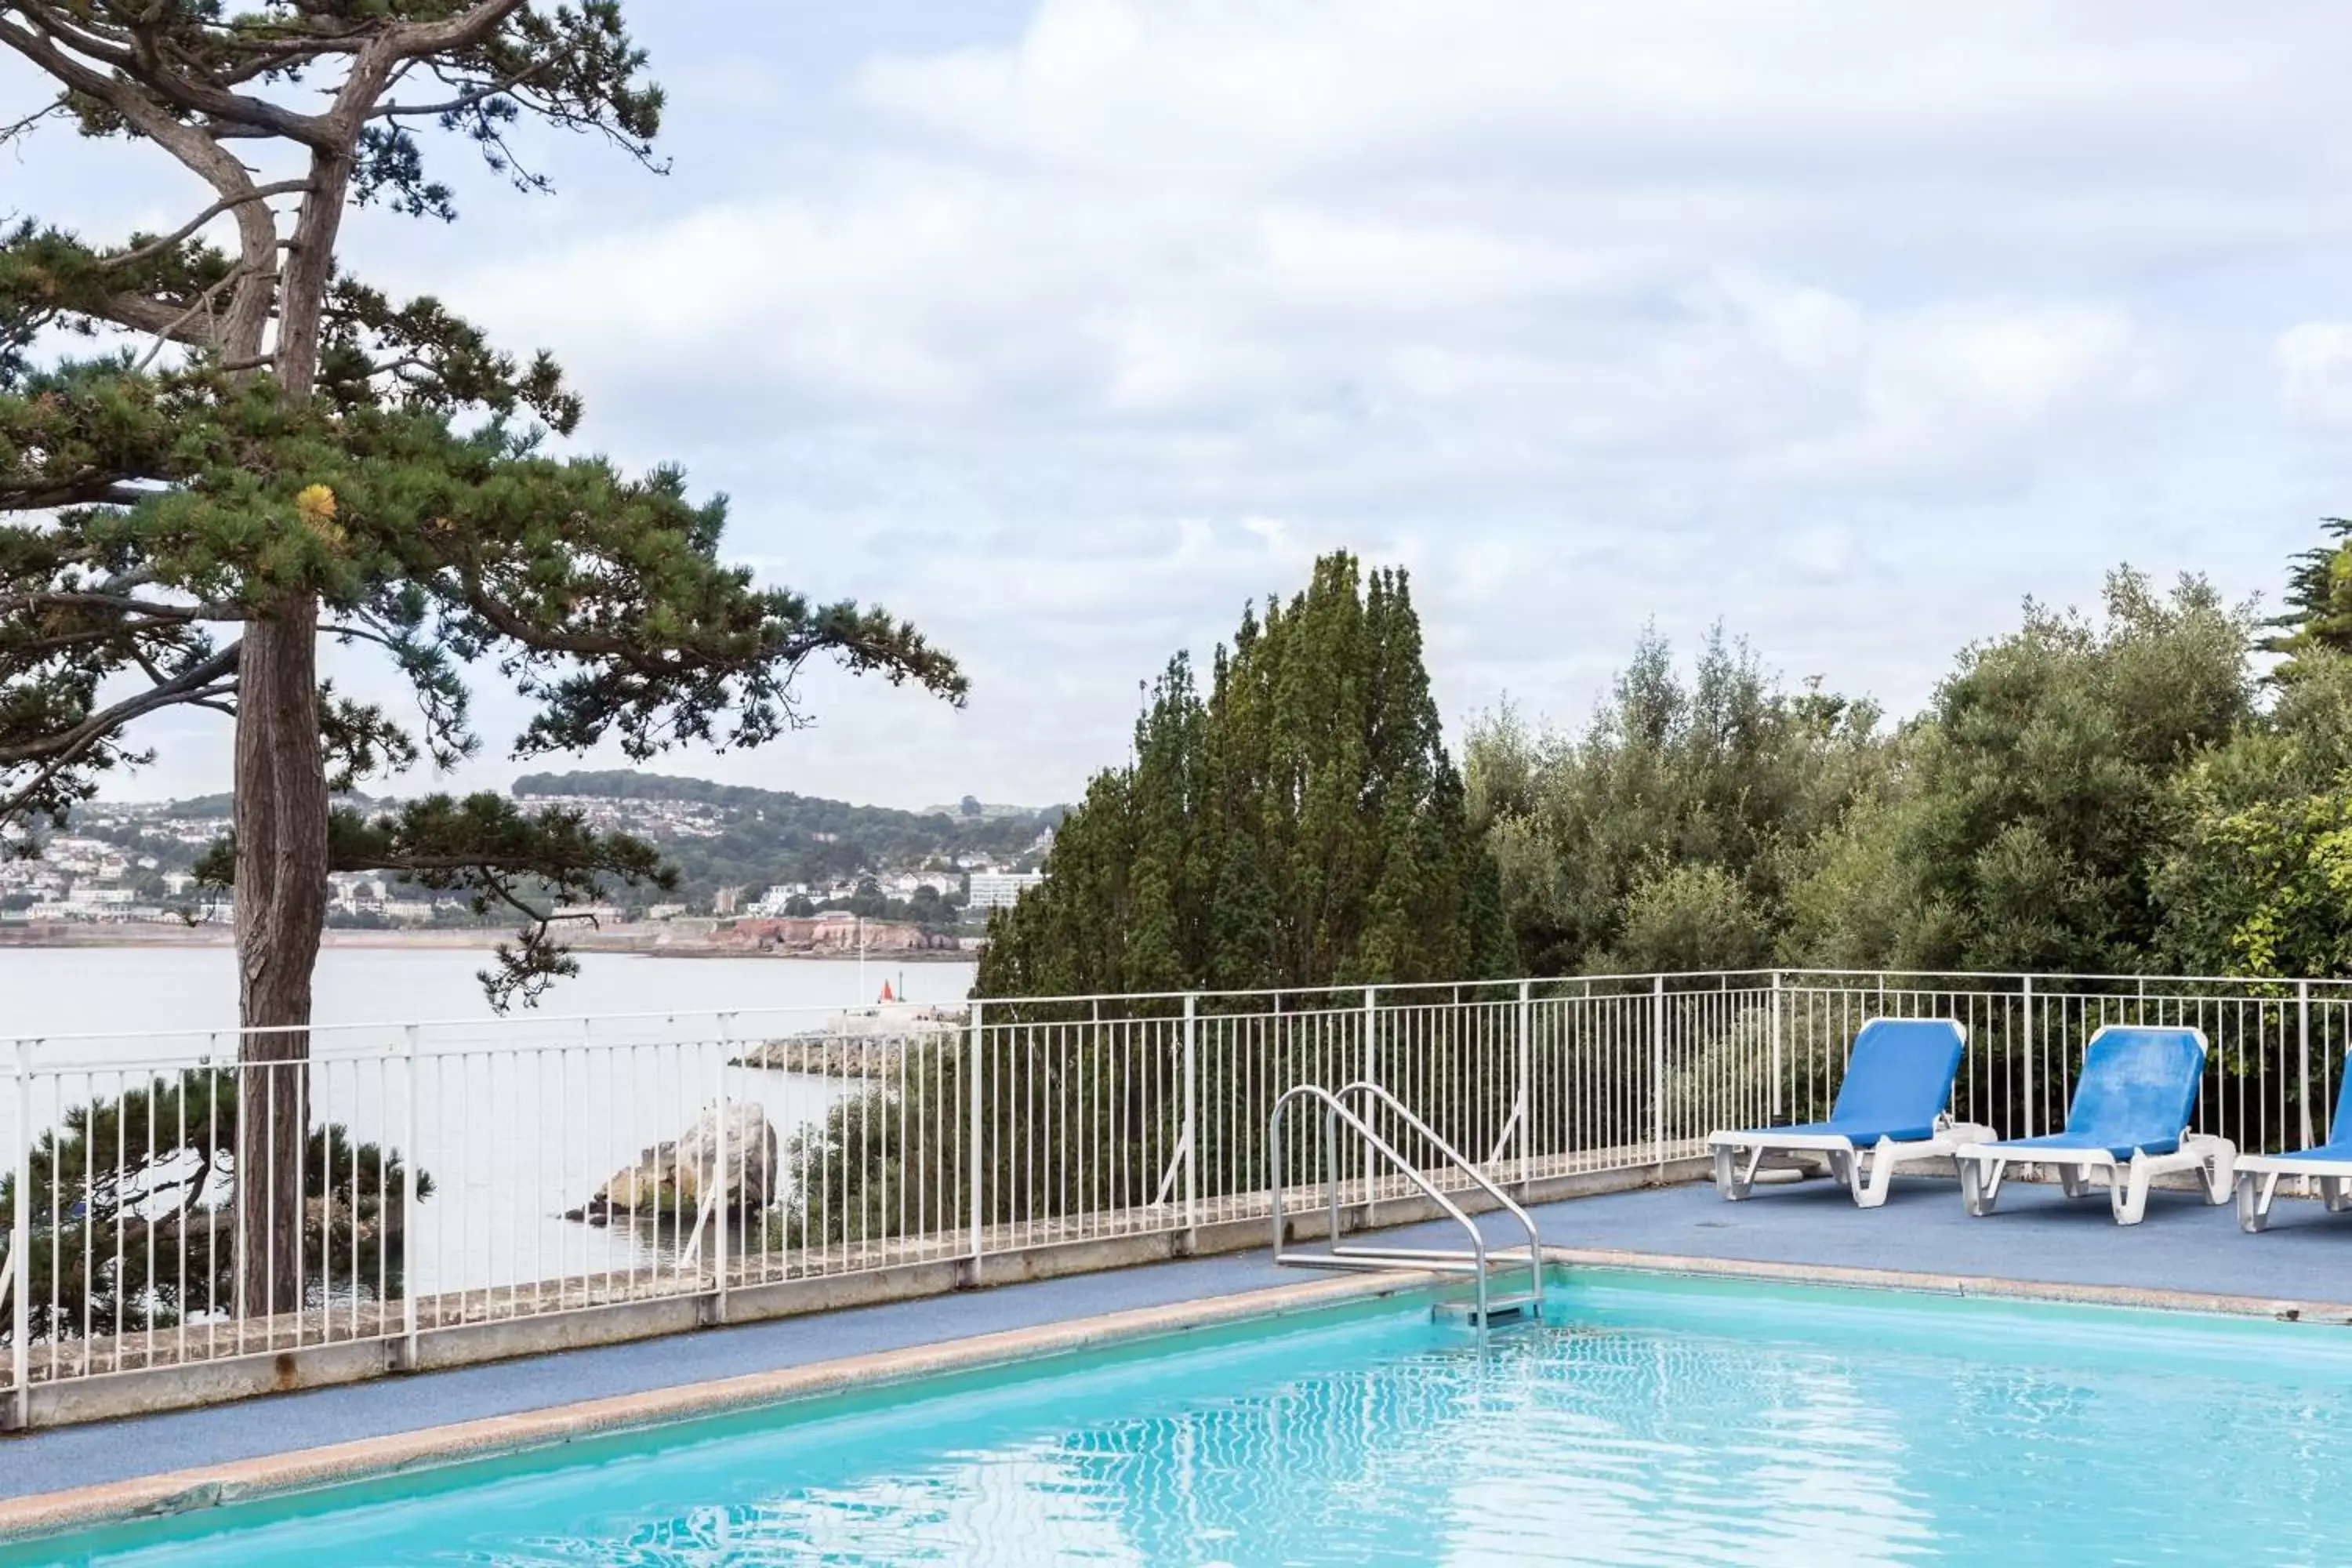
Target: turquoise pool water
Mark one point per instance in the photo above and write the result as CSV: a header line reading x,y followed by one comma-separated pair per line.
x,y
1651,1422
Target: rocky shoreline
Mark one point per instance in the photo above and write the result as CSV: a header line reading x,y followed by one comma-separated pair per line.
x,y
828,1059
675,1179
870,1043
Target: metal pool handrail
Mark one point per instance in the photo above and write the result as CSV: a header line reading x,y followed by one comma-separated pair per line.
x,y
1461,1163
1335,1112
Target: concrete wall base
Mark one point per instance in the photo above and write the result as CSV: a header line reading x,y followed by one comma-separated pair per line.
x,y
148,1390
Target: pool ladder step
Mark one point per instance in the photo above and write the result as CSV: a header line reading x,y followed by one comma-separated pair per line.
x,y
1478,1263
1501,1312
1407,1259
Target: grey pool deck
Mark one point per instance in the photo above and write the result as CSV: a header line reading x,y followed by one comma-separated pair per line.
x,y
2038,1236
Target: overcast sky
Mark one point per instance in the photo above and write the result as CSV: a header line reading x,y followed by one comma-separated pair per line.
x,y
1064,327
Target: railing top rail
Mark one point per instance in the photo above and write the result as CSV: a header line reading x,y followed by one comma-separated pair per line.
x,y
506,1024
1385,988
2037,975
444,1033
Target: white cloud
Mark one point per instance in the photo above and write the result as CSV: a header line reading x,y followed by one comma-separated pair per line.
x,y
1278,89
1066,341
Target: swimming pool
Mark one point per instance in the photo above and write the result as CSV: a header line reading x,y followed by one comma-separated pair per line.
x,y
1652,1420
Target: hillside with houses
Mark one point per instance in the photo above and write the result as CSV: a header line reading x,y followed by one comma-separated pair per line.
x,y
798,873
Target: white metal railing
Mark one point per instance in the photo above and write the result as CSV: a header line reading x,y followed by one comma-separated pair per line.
x,y
456,1174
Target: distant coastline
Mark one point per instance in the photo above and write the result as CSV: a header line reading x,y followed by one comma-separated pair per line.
x,y
645,937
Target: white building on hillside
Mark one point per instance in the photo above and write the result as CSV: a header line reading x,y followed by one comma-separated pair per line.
x,y
776,897
1000,890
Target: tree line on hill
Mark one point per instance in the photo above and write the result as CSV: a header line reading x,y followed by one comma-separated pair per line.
x,y
2165,784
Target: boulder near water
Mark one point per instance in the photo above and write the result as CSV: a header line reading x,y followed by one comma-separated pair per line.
x,y
670,1179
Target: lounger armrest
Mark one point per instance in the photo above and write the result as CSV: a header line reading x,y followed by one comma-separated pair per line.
x,y
2292,1164
2070,1157
1766,1137
2039,1154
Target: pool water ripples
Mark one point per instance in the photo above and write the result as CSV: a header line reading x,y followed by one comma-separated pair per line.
x,y
1653,1424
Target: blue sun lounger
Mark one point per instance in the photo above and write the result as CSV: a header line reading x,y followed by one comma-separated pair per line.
x,y
1890,1107
2128,1123
2330,1164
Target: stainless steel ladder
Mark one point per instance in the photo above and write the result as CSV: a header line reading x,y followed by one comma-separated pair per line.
x,y
1479,1262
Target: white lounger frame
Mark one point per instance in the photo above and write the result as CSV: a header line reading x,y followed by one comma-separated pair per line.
x,y
2258,1180
2215,1159
1734,1177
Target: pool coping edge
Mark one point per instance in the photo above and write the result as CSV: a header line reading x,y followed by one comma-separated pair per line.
x,y
202,1487
2145,1298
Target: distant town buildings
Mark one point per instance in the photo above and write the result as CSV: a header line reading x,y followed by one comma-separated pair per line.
x,y
135,862
778,900
1001,889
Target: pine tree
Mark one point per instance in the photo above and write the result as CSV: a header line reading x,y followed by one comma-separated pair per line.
x,y
2318,620
1301,826
283,454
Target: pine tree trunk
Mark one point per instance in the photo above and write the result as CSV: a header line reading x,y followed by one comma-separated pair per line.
x,y
280,816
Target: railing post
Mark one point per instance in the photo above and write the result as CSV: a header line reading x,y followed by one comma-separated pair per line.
x,y
1192,1117
1772,1031
718,1169
20,1242
409,1236
1523,1107
1371,1075
973,1174
2032,1085
2302,1057
1658,1067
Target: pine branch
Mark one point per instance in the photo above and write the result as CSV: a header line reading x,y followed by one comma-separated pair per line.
x,y
487,848
136,60
171,331
205,679
157,246
11,130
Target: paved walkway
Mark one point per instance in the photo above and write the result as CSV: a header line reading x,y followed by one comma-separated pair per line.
x,y
2038,1235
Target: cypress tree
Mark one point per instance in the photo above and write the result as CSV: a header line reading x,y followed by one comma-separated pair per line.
x,y
1300,826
